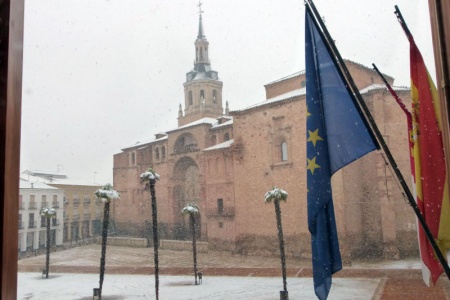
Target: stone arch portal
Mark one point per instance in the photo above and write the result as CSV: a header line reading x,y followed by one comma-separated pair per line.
x,y
187,190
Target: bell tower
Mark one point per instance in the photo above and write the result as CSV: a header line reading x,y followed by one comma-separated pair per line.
x,y
202,89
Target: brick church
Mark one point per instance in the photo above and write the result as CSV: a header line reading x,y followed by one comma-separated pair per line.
x,y
224,161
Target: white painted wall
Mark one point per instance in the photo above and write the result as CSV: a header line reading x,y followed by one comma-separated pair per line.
x,y
30,234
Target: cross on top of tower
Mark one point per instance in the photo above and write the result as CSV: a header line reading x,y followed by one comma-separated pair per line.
x,y
200,11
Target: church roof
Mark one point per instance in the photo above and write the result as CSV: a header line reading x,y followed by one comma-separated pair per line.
x,y
223,124
302,91
223,145
287,77
279,98
373,87
208,121
145,142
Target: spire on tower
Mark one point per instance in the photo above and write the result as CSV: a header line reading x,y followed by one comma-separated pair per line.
x,y
201,34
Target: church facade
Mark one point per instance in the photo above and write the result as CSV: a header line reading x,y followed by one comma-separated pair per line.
x,y
224,161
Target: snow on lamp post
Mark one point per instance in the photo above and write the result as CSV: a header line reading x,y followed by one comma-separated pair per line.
x,y
276,195
105,194
149,178
48,213
192,210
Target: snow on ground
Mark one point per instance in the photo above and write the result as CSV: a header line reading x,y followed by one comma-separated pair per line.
x,y
79,286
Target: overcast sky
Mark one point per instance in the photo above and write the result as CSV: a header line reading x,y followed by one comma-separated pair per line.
x,y
100,75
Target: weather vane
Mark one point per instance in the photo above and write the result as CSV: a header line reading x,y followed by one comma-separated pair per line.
x,y
200,7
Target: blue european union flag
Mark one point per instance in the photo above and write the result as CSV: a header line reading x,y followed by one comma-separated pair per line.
x,y
336,136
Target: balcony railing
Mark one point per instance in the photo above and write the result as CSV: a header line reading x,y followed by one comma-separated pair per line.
x,y
32,205
76,201
87,216
44,204
32,224
227,212
75,217
186,149
87,201
55,204
55,222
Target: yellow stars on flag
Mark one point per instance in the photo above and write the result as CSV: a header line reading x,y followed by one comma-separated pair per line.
x,y
314,136
312,165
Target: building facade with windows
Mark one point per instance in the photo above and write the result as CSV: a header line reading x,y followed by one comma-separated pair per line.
x,y
32,226
82,214
224,162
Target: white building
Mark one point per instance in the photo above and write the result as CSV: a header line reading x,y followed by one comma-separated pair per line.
x,y
32,227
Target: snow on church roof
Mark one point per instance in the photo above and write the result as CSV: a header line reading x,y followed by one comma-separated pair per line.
x,y
302,91
381,87
223,145
287,77
210,121
285,96
226,123
141,144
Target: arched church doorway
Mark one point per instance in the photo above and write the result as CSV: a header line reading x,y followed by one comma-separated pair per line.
x,y
187,190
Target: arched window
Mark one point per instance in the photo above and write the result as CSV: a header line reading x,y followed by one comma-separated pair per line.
x,y
190,98
163,152
157,153
214,96
202,96
226,137
284,151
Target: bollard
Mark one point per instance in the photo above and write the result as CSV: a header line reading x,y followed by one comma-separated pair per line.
x,y
200,276
96,293
284,295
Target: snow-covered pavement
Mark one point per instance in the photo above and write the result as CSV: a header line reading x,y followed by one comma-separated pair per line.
x,y
80,286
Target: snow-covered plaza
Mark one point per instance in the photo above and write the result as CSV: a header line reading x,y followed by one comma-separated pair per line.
x,y
79,286
74,273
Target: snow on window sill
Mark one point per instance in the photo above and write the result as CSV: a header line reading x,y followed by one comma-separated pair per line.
x,y
281,164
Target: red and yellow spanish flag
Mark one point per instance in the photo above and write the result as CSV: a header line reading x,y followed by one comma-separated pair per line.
x,y
430,174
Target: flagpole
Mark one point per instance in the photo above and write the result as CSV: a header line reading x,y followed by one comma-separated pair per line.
x,y
393,93
353,90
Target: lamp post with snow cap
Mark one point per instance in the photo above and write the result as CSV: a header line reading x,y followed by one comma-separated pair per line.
x,y
192,210
149,178
48,213
276,195
105,194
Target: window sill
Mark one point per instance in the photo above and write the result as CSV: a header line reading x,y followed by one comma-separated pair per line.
x,y
281,164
